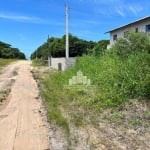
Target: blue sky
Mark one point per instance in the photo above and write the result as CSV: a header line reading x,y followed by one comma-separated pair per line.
x,y
26,24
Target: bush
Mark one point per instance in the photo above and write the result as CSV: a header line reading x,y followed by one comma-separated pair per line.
x,y
100,48
132,43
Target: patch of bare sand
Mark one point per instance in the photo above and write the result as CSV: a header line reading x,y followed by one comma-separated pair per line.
x,y
22,127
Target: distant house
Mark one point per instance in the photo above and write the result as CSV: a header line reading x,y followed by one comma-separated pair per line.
x,y
141,25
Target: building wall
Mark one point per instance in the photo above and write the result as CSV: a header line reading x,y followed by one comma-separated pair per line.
x,y
65,63
120,32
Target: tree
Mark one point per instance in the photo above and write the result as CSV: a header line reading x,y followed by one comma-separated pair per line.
x,y
100,47
6,51
56,47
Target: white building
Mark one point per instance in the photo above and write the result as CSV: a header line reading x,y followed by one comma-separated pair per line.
x,y
141,25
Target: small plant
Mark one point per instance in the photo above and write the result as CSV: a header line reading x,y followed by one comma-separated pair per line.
x,y
15,73
4,94
136,122
117,117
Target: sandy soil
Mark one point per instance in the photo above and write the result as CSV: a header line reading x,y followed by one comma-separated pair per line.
x,y
7,75
22,125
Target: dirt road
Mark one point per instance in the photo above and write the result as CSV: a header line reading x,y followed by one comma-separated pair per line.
x,y
22,127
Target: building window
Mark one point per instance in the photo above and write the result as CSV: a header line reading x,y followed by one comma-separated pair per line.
x,y
115,37
126,33
148,28
136,30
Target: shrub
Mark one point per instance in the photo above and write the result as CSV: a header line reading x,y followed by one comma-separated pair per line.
x,y
100,47
132,43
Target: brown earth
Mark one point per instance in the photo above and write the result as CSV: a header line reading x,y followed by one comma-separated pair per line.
x,y
22,125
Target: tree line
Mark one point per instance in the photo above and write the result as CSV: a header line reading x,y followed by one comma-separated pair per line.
x,y
6,51
55,47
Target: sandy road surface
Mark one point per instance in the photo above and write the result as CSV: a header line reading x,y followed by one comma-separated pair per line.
x,y
6,75
21,125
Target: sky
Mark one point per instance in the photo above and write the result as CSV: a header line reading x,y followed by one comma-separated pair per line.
x,y
26,24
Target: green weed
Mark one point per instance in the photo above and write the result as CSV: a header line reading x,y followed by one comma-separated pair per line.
x,y
136,122
4,62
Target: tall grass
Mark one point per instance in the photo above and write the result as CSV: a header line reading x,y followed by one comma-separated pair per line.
x,y
116,80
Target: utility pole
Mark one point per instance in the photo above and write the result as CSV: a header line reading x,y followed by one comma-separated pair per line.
x,y
67,31
36,54
49,53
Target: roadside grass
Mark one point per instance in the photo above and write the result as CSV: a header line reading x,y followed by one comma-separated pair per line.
x,y
4,62
38,62
54,99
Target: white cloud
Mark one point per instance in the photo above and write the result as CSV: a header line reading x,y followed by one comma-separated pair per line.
x,y
116,8
121,12
19,17
30,19
135,9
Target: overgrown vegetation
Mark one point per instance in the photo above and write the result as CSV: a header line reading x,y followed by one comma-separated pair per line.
x,y
100,47
131,44
116,79
117,75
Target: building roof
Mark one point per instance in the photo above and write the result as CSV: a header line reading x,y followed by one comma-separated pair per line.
x,y
137,21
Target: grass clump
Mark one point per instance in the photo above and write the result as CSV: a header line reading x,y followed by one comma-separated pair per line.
x,y
38,62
